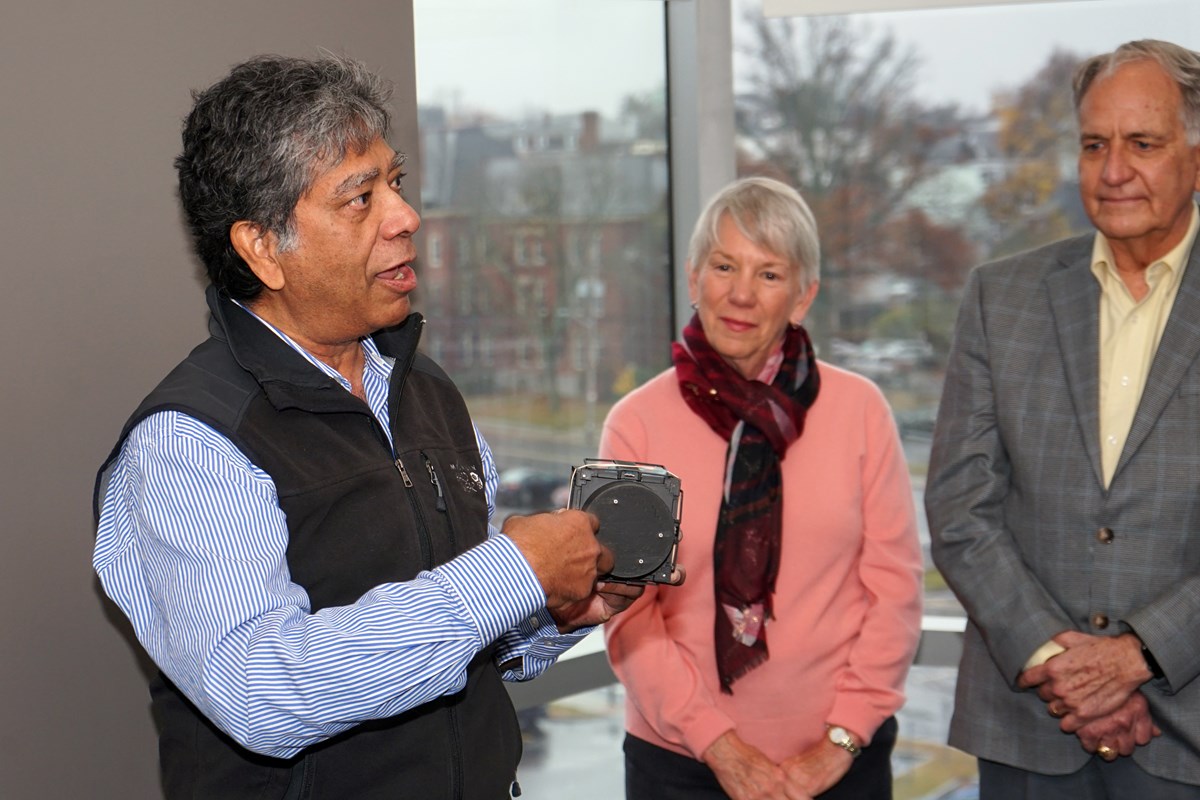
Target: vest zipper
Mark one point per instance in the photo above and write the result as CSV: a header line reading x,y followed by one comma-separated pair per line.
x,y
422,527
426,547
403,473
433,478
456,755
455,732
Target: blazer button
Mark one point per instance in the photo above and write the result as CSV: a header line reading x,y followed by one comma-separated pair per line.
x,y
1099,621
1105,535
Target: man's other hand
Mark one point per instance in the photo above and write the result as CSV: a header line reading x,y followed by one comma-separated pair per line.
x,y
1091,679
609,598
1128,727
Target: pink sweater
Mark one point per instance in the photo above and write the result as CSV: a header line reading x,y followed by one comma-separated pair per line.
x,y
848,596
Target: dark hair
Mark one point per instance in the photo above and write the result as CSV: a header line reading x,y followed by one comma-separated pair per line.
x,y
1181,64
256,141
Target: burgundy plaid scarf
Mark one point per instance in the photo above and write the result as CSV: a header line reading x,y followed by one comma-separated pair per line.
x,y
759,421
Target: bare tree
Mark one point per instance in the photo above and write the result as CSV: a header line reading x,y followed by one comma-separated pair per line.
x,y
829,107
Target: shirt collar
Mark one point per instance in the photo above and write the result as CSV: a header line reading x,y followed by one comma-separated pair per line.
x,y
376,362
1173,262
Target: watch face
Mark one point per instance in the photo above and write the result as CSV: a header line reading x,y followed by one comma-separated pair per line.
x,y
842,738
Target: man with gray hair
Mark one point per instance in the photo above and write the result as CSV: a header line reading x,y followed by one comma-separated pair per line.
x,y
296,520
1064,485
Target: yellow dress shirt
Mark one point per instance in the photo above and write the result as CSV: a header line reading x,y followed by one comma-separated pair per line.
x,y
1129,334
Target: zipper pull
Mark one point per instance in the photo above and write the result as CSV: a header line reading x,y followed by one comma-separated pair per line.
x,y
403,473
433,478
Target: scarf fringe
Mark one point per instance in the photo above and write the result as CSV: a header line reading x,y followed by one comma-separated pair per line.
x,y
756,660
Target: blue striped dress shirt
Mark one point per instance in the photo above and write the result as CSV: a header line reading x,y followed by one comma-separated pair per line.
x,y
192,545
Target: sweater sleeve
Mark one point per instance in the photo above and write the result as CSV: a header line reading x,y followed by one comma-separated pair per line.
x,y
660,679
870,688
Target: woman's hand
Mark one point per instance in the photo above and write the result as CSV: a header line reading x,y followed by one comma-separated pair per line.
x,y
819,767
745,773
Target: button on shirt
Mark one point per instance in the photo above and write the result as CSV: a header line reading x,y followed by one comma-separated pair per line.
x,y
192,546
1129,334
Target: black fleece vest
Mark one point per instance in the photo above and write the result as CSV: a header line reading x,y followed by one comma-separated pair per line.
x,y
358,515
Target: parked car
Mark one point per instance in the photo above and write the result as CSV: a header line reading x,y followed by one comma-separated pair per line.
x,y
529,489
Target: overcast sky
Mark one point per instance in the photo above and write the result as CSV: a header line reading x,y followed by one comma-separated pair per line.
x,y
511,56
967,53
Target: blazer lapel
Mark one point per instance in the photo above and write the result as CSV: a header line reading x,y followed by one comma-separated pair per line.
x,y
1075,301
1177,351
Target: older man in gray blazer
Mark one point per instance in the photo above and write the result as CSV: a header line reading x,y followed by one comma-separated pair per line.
x,y
1064,486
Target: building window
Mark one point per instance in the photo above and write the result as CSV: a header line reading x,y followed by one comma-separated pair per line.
x,y
434,244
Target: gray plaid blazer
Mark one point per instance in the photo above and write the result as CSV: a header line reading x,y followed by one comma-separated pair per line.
x,y
1016,506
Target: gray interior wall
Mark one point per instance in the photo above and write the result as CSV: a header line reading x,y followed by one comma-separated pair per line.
x,y
100,296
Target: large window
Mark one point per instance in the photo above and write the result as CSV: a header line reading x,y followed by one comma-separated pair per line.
x,y
544,185
927,141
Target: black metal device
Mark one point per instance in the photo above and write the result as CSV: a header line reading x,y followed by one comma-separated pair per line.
x,y
638,506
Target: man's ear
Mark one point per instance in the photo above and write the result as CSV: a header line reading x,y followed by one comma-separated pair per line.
x,y
258,248
1196,162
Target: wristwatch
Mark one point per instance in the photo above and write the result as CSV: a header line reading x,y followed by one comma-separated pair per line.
x,y
842,738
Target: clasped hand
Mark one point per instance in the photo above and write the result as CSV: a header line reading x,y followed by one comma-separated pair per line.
x,y
1093,688
746,773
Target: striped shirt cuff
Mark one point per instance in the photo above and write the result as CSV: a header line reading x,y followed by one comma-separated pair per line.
x,y
539,646
496,585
